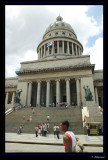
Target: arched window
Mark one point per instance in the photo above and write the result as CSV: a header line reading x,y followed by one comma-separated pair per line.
x,y
63,33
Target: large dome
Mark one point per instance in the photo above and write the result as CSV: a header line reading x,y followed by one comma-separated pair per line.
x,y
59,24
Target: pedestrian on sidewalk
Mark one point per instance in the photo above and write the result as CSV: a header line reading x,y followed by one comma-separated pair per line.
x,y
57,131
100,130
43,125
36,129
40,130
88,129
69,139
54,128
45,130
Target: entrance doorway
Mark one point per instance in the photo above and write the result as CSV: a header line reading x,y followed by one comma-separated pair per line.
x,y
100,103
55,100
64,98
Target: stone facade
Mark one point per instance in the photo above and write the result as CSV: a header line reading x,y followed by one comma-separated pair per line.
x,y
59,74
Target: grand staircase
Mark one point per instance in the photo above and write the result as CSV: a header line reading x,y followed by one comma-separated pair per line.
x,y
57,115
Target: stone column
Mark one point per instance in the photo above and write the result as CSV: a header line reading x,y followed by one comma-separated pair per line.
x,y
29,93
40,53
38,93
72,50
96,96
79,51
67,47
48,94
68,91
44,50
76,49
78,91
57,91
52,49
58,47
48,51
62,46
7,95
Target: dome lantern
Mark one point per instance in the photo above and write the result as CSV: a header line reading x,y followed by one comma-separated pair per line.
x,y
59,18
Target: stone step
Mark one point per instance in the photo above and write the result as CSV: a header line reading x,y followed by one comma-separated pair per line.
x,y
57,115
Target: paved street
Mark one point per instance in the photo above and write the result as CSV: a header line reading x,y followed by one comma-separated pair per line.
x,y
17,147
42,143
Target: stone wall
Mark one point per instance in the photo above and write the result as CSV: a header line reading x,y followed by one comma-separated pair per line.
x,y
98,75
12,81
55,63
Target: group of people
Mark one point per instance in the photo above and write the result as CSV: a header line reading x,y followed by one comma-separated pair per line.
x,y
69,139
42,130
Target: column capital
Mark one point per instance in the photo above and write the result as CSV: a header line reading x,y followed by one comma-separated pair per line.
x,y
57,80
39,81
77,78
30,82
48,80
67,79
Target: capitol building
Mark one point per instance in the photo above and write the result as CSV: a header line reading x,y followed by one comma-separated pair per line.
x,y
60,75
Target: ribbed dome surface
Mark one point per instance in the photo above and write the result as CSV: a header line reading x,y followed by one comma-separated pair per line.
x,y
59,24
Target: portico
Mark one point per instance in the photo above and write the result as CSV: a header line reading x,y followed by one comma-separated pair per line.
x,y
54,91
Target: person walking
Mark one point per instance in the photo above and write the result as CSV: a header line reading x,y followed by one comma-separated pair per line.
x,y
57,131
100,130
69,139
36,129
20,129
45,130
54,128
88,129
30,118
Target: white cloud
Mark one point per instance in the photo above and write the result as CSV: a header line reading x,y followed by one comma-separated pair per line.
x,y
96,53
13,62
30,55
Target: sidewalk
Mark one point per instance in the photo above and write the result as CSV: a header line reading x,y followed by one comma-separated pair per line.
x,y
15,143
49,139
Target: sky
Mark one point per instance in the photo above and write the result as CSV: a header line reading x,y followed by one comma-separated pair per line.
x,y
25,26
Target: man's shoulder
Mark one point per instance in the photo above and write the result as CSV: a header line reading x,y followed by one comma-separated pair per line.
x,y
65,138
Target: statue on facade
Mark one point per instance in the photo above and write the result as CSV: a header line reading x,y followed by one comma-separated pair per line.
x,y
88,94
17,96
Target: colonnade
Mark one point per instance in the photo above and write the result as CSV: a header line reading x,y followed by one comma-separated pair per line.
x,y
48,92
60,47
9,97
